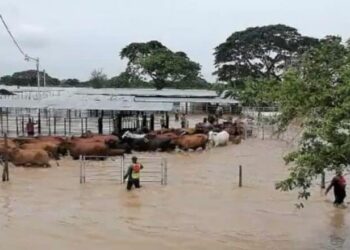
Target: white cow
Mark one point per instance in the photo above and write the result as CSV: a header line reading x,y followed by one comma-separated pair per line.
x,y
219,139
128,134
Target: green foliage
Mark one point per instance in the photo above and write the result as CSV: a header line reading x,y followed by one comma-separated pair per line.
x,y
98,79
127,80
259,52
318,92
71,83
154,61
28,78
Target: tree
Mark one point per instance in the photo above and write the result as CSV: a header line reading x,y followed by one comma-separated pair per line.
x,y
98,79
317,92
127,80
154,61
259,52
29,78
71,82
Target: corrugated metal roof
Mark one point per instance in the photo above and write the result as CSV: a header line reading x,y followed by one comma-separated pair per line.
x,y
106,99
120,91
191,100
86,103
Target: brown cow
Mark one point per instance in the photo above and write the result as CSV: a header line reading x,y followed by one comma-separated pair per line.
x,y
29,157
50,147
92,149
192,141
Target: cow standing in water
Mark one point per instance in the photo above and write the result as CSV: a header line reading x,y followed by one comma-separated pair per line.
x,y
339,185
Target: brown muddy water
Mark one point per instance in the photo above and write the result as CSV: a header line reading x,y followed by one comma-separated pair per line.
x,y
200,208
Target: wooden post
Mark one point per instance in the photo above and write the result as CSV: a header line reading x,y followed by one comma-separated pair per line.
x,y
69,122
17,128
65,126
323,180
2,121
82,126
54,124
39,123
119,124
86,124
7,120
49,123
5,173
166,120
240,176
23,132
152,122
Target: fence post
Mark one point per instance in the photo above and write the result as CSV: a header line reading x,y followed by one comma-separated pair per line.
x,y
122,180
81,169
54,124
65,126
5,173
263,132
7,120
17,128
240,176
122,170
23,126
86,124
49,123
82,126
162,172
1,121
39,122
323,180
165,172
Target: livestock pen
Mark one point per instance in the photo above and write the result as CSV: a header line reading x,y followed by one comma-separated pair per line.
x,y
73,111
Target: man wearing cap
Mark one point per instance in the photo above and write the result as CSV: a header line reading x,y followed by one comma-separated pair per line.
x,y
133,174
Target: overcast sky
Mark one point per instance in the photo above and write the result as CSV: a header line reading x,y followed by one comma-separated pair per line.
x,y
73,37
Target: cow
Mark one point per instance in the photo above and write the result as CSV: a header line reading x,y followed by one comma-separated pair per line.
x,y
29,157
92,149
219,139
51,148
194,142
150,144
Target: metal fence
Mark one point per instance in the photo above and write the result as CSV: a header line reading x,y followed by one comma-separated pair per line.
x,y
103,168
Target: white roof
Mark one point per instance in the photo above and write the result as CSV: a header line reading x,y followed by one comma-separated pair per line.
x,y
105,99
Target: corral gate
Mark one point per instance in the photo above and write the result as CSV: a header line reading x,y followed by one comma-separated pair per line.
x,y
94,168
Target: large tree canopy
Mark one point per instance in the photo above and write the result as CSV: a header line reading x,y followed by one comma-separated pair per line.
x,y
317,92
164,67
259,52
29,78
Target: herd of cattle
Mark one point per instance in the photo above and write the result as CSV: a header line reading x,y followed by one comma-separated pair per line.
x,y
38,151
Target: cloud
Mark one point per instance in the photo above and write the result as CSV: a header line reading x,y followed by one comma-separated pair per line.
x,y
33,36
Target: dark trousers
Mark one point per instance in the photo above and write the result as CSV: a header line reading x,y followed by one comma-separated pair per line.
x,y
339,196
133,182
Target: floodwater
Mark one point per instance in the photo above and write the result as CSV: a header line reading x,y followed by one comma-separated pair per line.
x,y
200,208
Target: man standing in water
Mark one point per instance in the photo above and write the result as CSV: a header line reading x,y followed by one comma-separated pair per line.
x,y
133,174
339,184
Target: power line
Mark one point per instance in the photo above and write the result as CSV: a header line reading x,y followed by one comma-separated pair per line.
x,y
13,38
26,57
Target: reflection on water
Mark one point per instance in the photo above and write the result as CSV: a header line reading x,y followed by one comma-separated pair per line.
x,y
338,228
201,208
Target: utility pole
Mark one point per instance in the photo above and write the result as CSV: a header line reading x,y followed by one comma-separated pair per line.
x,y
44,79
